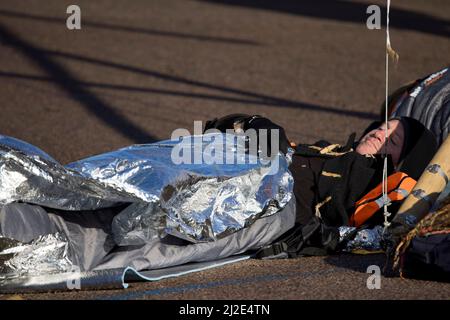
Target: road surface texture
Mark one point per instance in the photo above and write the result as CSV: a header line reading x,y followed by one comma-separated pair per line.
x,y
137,70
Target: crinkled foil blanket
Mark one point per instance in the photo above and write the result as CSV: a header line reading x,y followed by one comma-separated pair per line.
x,y
353,239
193,200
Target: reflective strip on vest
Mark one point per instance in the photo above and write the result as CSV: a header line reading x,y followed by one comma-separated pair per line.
x,y
399,187
380,201
403,192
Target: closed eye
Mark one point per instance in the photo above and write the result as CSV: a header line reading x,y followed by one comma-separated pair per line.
x,y
395,139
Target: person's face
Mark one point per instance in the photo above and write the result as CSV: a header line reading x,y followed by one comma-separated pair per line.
x,y
374,141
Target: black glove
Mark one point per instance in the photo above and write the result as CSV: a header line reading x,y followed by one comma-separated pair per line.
x,y
246,122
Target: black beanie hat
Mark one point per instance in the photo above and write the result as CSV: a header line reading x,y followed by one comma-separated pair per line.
x,y
419,146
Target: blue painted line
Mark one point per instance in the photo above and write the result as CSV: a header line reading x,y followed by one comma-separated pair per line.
x,y
212,284
182,273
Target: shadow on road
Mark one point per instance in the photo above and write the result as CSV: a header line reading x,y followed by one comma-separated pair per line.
x,y
69,83
146,31
75,87
347,11
78,89
358,263
264,100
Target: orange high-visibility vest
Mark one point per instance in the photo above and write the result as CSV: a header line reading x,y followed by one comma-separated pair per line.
x,y
399,185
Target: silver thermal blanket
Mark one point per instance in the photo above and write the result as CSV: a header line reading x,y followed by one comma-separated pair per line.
x,y
149,206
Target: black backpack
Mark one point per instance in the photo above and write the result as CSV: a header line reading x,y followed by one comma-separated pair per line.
x,y
311,239
427,258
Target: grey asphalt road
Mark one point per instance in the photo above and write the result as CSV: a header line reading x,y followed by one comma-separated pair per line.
x,y
137,70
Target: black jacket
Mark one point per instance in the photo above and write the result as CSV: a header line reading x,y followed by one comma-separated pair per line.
x,y
328,185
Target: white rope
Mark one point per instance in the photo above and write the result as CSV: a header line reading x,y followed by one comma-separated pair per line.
x,y
386,200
